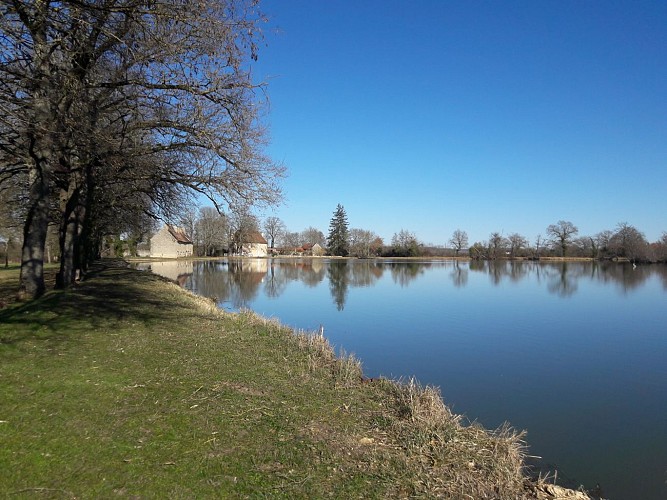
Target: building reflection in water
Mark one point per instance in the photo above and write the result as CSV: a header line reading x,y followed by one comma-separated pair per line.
x,y
175,270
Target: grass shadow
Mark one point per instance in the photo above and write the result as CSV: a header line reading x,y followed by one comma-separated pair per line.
x,y
111,292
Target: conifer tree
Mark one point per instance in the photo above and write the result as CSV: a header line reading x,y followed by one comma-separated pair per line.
x,y
337,240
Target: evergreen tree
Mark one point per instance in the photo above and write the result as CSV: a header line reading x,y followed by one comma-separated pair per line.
x,y
338,233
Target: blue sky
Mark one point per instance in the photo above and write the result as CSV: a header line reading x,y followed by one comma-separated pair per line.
x,y
485,116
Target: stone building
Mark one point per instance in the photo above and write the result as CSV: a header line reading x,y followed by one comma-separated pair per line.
x,y
310,250
316,250
171,242
251,244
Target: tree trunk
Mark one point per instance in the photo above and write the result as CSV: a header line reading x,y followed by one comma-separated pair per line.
x,y
68,236
73,213
31,284
88,248
39,159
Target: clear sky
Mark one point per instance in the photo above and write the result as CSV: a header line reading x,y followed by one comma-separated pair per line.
x,y
486,116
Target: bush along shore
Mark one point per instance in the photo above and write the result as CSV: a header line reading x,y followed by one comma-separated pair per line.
x,y
127,385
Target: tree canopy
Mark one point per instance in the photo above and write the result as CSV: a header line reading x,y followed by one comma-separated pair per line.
x,y
405,244
562,233
116,110
459,240
338,239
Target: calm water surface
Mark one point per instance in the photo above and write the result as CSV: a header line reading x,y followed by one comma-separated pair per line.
x,y
574,353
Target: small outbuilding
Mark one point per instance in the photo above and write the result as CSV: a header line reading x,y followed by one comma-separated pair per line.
x,y
316,250
171,242
309,249
251,244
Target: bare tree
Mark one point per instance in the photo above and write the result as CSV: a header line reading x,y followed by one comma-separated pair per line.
x,y
585,246
562,234
459,240
661,248
290,240
363,243
517,243
10,223
479,251
628,242
497,245
312,235
241,224
211,231
602,240
188,221
274,228
538,245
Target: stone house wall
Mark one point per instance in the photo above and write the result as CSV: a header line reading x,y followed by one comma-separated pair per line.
x,y
165,245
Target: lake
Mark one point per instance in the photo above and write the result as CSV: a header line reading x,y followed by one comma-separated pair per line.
x,y
575,353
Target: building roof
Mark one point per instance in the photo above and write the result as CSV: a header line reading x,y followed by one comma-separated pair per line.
x,y
254,237
179,234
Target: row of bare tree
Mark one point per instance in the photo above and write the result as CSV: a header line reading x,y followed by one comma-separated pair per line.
x,y
562,239
115,111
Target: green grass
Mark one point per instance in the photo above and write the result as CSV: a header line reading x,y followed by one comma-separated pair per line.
x,y
128,386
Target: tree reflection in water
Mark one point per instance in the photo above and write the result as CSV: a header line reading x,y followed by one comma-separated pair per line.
x,y
459,275
237,282
338,282
356,273
563,277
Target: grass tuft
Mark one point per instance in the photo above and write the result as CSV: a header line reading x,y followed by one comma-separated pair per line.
x,y
455,460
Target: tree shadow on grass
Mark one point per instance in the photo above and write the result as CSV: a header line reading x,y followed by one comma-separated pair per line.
x,y
9,283
112,293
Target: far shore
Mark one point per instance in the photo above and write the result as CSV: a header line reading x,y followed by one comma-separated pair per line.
x,y
407,259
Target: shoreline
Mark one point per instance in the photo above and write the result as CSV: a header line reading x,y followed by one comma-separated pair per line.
x,y
381,259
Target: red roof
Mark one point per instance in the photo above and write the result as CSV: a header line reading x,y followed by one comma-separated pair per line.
x,y
179,235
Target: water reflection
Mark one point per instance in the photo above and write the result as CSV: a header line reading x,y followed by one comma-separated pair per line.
x,y
403,273
339,277
176,270
628,277
562,278
562,281
238,281
459,275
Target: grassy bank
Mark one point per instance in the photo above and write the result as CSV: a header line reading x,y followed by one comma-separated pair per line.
x,y
128,386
